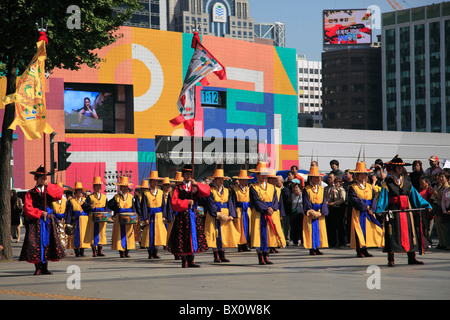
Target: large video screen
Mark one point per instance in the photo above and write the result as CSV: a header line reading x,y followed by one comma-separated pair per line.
x,y
89,108
344,27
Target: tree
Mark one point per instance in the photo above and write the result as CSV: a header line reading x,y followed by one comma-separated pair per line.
x,y
76,28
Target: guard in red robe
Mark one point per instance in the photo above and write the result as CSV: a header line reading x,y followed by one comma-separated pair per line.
x,y
41,243
188,234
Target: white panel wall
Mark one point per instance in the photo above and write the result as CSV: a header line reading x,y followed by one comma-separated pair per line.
x,y
344,145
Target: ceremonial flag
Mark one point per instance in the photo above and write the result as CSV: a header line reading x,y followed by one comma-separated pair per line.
x,y
29,97
202,63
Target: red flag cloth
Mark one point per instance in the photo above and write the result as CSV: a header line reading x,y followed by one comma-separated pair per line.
x,y
202,63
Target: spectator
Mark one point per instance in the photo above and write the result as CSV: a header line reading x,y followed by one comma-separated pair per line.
x,y
294,168
440,219
433,170
445,204
416,174
334,165
289,177
372,179
379,171
348,176
296,217
16,213
426,192
336,196
286,189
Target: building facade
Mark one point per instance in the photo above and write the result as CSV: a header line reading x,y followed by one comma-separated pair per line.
x,y
153,15
416,69
220,18
309,92
275,32
352,88
135,90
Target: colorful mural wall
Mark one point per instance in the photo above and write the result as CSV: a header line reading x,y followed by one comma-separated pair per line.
x,y
260,94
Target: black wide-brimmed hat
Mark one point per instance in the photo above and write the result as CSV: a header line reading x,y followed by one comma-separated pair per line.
x,y
187,168
397,161
40,172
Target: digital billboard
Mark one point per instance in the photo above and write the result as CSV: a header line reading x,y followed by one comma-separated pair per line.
x,y
347,26
89,108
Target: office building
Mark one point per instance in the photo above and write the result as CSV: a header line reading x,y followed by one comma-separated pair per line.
x,y
416,69
220,18
309,92
352,88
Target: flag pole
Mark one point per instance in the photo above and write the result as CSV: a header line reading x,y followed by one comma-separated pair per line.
x,y
45,175
193,136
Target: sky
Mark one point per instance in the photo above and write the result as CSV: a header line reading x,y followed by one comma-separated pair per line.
x,y
303,18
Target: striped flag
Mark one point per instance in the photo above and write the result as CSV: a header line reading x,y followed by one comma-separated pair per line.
x,y
202,63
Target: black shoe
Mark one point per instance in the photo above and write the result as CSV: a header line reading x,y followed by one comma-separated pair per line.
x,y
318,252
100,251
366,253
266,258
222,256
191,263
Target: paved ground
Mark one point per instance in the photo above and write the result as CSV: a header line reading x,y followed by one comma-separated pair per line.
x,y
295,275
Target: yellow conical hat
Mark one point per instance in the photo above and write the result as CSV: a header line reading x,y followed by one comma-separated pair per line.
x,y
261,167
123,182
218,173
97,180
360,168
154,176
243,175
144,184
78,186
178,177
314,172
166,180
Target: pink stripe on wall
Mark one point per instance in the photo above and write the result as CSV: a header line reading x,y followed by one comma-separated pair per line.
x,y
102,144
290,147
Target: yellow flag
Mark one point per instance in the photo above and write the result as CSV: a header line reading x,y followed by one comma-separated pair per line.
x,y
30,98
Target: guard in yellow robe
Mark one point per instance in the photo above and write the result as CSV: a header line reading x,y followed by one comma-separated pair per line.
x,y
77,217
241,199
169,214
315,209
96,203
280,213
366,230
140,225
220,230
125,217
264,202
153,206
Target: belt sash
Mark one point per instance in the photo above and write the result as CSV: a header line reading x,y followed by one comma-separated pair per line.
x,y
365,214
402,201
78,214
193,225
96,227
218,225
45,235
153,212
263,231
315,227
123,230
245,218
58,216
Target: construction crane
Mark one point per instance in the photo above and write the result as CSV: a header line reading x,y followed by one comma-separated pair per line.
x,y
394,4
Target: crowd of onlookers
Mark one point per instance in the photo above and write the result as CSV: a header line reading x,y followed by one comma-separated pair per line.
x,y
431,183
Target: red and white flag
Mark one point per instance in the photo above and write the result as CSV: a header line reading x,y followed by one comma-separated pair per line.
x,y
202,63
